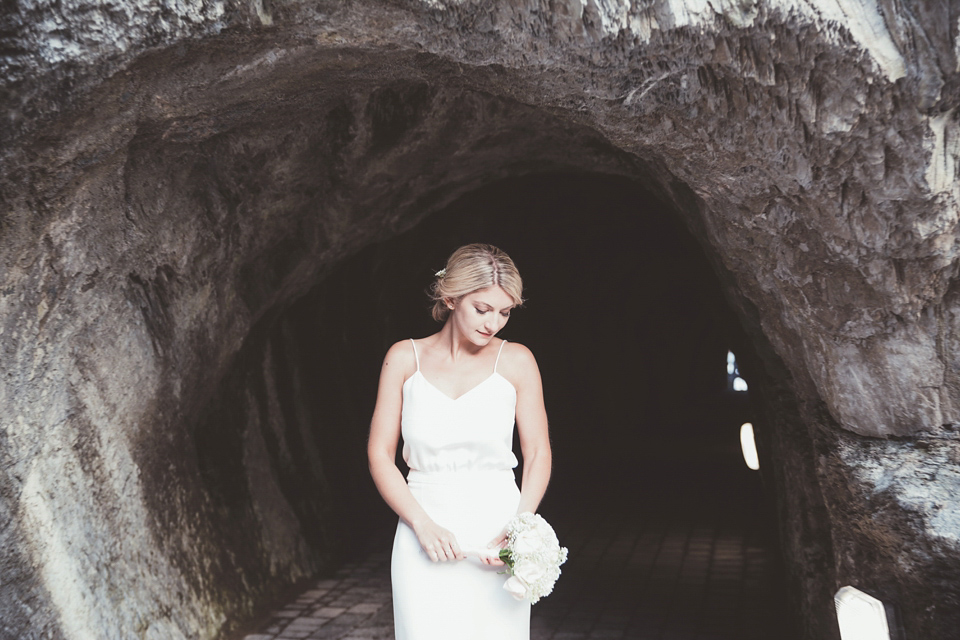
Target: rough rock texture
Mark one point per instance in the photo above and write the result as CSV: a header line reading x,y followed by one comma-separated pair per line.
x,y
174,174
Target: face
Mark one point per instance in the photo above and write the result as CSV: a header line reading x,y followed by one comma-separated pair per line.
x,y
481,314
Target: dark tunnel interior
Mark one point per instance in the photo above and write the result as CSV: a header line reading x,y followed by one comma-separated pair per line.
x,y
631,331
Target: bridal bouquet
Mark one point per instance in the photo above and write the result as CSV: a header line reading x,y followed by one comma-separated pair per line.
x,y
533,556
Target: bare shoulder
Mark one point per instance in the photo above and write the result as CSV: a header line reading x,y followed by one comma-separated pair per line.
x,y
516,353
400,359
517,363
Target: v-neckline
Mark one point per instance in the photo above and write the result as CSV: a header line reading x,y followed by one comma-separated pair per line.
x,y
465,393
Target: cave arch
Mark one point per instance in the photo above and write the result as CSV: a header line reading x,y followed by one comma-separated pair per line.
x,y
164,202
612,279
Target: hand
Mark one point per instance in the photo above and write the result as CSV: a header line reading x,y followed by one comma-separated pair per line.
x,y
486,555
439,544
495,545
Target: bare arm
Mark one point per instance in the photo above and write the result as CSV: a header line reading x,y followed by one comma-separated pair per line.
x,y
439,543
534,435
533,432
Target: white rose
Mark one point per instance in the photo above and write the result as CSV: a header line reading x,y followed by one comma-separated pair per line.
x,y
528,571
516,587
528,541
546,532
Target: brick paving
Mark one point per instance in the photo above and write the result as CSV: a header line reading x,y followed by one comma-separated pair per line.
x,y
697,569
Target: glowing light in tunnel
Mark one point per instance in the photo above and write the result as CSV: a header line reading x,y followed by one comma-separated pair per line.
x,y
861,616
749,446
734,381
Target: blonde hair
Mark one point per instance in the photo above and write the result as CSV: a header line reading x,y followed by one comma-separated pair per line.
x,y
470,268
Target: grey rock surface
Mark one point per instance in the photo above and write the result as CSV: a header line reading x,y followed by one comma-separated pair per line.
x,y
174,174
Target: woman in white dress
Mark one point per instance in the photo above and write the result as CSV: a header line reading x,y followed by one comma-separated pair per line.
x,y
454,397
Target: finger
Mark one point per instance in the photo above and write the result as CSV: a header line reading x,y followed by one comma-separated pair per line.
x,y
448,544
457,551
491,557
445,552
498,541
453,551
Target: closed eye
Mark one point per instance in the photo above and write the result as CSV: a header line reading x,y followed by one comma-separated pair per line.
x,y
505,314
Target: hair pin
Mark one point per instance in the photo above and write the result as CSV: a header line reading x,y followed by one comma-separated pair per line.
x,y
441,273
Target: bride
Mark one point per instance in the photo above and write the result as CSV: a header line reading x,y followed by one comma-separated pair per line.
x,y
454,397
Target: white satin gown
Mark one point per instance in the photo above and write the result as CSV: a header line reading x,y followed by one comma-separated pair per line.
x,y
460,454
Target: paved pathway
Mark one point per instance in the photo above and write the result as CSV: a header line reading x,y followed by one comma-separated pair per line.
x,y
702,572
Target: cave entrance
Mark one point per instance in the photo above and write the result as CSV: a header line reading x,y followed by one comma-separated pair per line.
x,y
632,333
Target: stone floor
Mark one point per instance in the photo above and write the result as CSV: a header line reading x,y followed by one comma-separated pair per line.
x,y
678,565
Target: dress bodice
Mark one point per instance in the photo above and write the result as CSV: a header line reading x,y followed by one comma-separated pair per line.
x,y
473,432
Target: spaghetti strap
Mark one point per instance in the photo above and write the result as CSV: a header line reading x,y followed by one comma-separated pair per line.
x,y
498,356
417,356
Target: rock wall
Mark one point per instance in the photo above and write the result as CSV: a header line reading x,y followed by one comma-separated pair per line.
x,y
172,176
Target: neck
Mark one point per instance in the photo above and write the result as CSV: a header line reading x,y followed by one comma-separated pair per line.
x,y
455,343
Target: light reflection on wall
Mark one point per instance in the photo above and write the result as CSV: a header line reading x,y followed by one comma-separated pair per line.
x,y
749,446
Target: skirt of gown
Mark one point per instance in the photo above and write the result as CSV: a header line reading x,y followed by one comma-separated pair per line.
x,y
465,599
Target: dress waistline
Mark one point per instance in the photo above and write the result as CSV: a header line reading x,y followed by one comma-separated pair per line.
x,y
416,476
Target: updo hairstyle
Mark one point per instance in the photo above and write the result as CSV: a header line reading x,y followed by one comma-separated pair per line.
x,y
470,268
